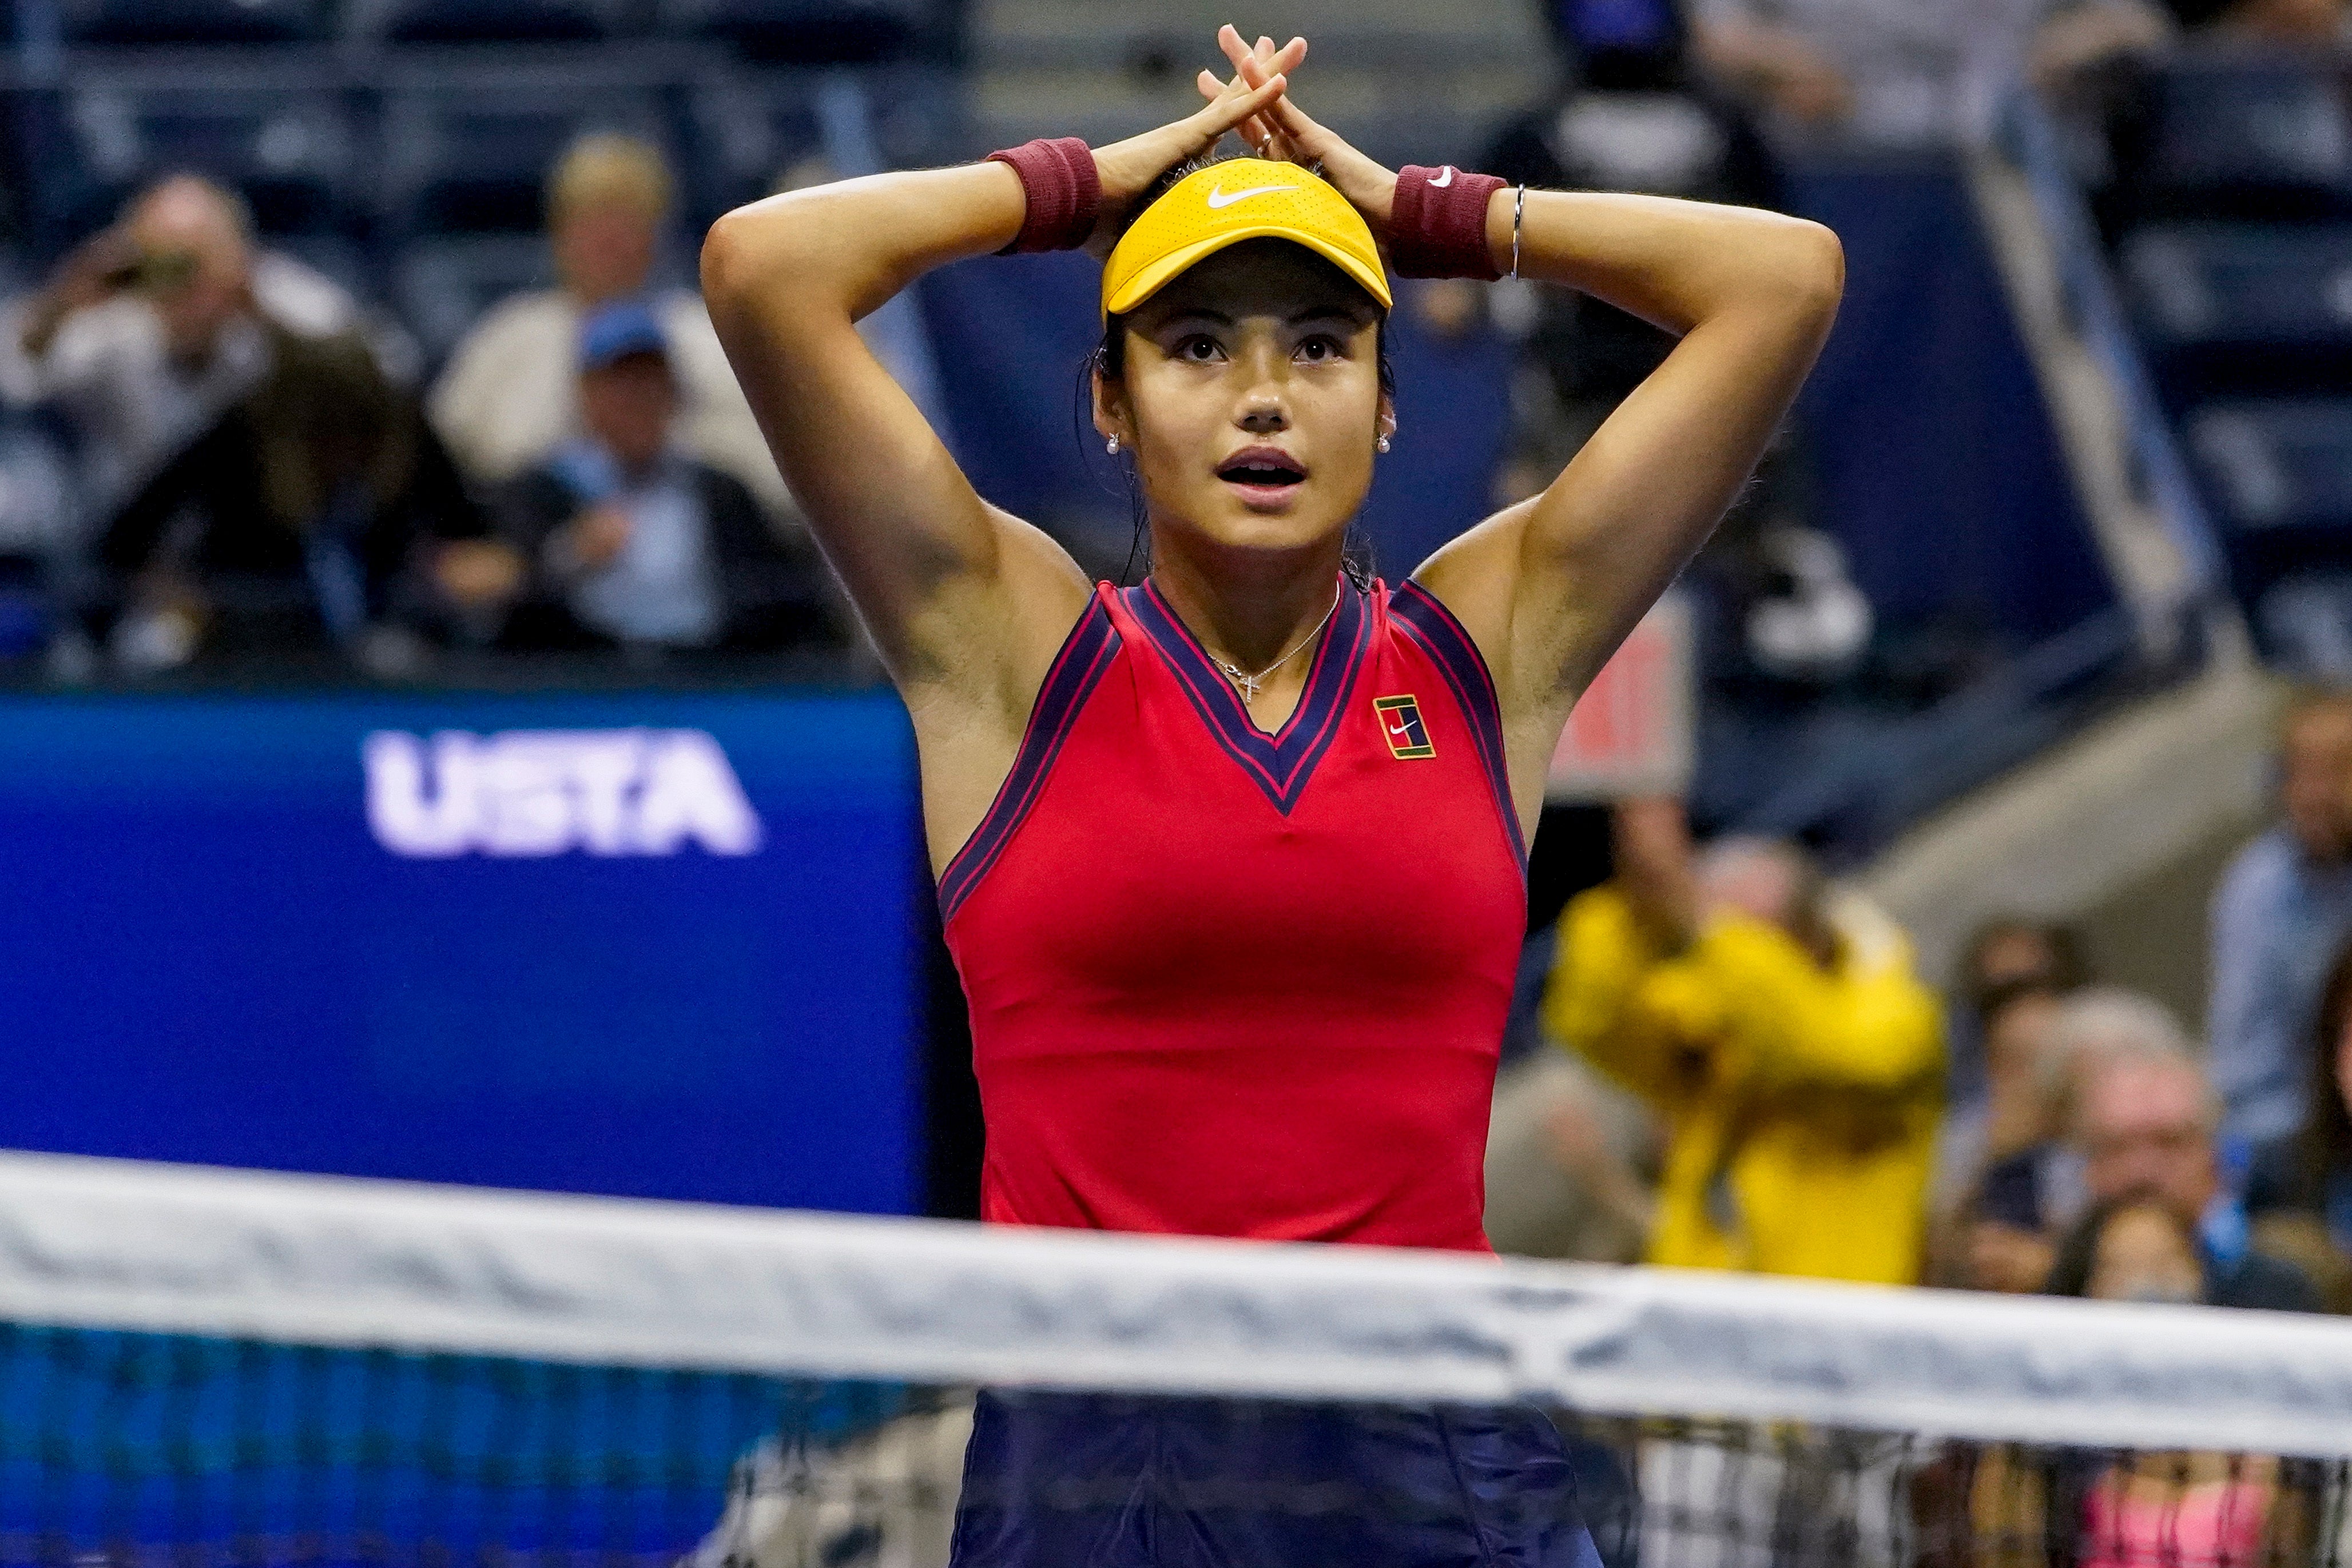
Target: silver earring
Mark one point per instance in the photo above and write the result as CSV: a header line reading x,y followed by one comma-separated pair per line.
x,y
1111,446
1381,444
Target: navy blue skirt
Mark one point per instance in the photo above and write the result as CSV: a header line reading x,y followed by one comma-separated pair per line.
x,y
1091,1480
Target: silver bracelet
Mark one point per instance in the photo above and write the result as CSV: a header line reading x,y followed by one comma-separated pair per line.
x,y
1518,211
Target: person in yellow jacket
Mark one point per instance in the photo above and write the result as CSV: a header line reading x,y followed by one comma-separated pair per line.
x,y
1783,1037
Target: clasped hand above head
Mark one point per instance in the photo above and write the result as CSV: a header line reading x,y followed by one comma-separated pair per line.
x,y
1129,168
1282,130
1255,105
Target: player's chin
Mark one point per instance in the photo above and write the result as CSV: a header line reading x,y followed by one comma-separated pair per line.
x,y
1293,529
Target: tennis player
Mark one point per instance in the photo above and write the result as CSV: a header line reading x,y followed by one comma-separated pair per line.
x,y
1232,861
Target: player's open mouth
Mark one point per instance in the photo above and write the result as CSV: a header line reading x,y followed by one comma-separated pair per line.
x,y
1266,475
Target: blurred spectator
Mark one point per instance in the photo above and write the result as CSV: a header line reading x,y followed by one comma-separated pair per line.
x,y
2283,908
2004,956
2018,1111
2012,951
1783,1037
1888,72
2016,1176
291,520
1570,1162
1897,73
1631,117
150,330
2145,1122
2080,1507
2131,1250
508,397
628,540
1999,1147
2160,1508
2299,1192
2084,36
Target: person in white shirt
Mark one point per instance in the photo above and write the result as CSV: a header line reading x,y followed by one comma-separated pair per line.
x,y
1906,73
148,332
510,396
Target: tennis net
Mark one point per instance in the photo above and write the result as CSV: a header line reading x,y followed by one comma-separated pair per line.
x,y
202,1366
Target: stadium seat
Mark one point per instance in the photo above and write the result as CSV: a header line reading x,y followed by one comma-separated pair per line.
x,y
2244,136
2231,307
483,21
2276,464
808,31
190,21
2278,474
442,286
467,148
290,150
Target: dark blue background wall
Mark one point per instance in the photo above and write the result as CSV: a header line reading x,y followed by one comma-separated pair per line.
x,y
209,953
1939,469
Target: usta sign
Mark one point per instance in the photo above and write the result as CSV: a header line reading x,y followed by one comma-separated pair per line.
x,y
534,792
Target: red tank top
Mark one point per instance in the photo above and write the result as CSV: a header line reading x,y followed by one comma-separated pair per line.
x,y
1225,983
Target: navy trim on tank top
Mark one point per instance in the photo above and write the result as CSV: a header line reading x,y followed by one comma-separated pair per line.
x,y
1085,654
1449,644
1280,764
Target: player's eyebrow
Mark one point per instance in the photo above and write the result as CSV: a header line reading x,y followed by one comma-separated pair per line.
x,y
1193,313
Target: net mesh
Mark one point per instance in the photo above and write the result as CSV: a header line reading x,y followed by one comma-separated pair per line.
x,y
198,1367
1662,1491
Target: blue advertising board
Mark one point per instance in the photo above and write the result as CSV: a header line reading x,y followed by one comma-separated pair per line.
x,y
655,944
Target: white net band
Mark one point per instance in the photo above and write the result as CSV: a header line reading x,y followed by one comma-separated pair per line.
x,y
308,1260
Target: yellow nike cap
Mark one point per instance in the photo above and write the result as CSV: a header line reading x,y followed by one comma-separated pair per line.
x,y
1225,204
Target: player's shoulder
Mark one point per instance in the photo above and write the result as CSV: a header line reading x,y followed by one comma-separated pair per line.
x,y
1422,611
1473,580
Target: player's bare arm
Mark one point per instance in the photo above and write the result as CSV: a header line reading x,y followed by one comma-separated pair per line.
x,y
966,603
1548,588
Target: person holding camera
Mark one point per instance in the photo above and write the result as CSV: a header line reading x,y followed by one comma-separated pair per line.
x,y
253,478
150,330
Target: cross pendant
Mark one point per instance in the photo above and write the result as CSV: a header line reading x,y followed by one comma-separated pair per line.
x,y
1249,685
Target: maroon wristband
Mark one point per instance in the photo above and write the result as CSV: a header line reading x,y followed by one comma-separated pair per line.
x,y
1064,192
1437,227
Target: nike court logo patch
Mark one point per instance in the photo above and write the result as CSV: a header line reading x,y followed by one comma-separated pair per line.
x,y
1218,200
1401,721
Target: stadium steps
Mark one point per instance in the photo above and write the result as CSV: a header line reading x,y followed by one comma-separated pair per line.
x,y
2090,409
2121,829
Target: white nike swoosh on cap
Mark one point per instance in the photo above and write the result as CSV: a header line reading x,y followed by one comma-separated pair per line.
x,y
1445,179
1218,199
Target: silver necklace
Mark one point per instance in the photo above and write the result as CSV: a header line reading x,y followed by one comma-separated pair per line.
x,y
1249,685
